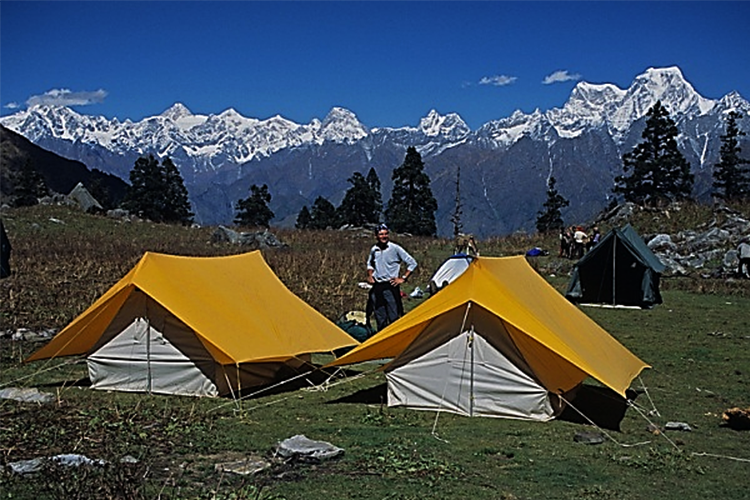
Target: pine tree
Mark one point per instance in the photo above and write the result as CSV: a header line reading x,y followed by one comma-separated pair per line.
x,y
658,172
360,204
145,195
99,191
177,207
29,186
304,219
458,209
157,192
323,214
731,174
550,218
253,210
412,206
374,182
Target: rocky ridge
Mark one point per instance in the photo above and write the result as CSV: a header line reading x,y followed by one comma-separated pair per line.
x,y
709,250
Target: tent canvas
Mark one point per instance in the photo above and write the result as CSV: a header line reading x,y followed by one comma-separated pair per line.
x,y
200,326
499,342
449,270
620,270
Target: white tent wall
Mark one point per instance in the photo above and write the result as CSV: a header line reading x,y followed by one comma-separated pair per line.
x,y
146,349
477,372
469,377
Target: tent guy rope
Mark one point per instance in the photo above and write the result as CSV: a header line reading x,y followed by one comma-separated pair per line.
x,y
43,369
445,386
608,435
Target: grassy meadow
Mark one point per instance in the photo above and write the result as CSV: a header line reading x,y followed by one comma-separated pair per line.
x,y
697,342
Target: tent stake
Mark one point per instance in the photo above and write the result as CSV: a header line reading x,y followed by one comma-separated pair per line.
x,y
237,402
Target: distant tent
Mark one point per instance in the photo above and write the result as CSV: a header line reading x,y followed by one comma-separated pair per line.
x,y
200,326
5,249
449,270
498,342
619,270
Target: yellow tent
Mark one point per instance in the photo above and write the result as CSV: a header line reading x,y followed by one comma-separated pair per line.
x,y
498,341
196,326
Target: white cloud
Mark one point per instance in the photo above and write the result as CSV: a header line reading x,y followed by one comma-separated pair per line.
x,y
498,80
560,76
65,97
12,105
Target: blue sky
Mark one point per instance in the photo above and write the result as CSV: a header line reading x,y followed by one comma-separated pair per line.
x,y
388,62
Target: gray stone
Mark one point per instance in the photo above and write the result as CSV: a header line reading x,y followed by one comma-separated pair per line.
x,y
32,336
244,467
677,426
662,242
26,395
589,437
259,239
119,213
304,449
223,234
692,260
673,267
81,197
68,460
621,213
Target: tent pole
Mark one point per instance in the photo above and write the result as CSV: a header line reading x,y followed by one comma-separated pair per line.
x,y
614,271
466,315
471,381
239,383
149,377
471,373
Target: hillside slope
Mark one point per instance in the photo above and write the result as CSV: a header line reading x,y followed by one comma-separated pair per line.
x,y
60,174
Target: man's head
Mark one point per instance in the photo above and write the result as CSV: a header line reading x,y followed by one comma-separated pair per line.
x,y
383,234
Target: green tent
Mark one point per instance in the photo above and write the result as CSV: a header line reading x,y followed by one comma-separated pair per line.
x,y
620,270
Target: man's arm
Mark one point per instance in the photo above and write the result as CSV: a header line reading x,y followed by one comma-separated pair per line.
x,y
371,266
411,265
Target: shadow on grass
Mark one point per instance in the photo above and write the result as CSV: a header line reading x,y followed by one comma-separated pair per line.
x,y
81,382
600,405
373,395
289,380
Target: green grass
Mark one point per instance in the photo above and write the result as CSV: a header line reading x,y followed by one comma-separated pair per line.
x,y
698,343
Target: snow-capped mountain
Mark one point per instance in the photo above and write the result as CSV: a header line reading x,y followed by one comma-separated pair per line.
x,y
505,162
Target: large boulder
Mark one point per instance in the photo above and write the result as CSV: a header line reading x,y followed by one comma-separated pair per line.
x,y
81,197
259,239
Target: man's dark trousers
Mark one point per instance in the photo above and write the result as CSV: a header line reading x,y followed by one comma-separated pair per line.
x,y
385,304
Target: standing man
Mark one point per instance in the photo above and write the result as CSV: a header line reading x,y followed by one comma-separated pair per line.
x,y
743,252
580,238
384,274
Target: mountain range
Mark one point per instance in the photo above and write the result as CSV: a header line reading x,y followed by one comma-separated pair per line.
x,y
60,174
504,164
